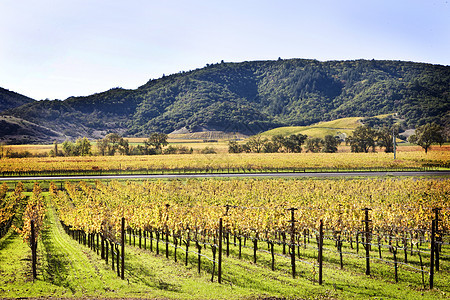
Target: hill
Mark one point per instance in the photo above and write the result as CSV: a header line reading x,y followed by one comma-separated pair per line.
x,y
18,131
252,97
10,99
340,127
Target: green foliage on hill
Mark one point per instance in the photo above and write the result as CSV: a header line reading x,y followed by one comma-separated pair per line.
x,y
252,97
9,99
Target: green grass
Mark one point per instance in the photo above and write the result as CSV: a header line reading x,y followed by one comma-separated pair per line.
x,y
348,283
344,125
335,127
68,269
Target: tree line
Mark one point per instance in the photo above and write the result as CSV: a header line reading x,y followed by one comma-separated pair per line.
x,y
364,139
111,144
289,144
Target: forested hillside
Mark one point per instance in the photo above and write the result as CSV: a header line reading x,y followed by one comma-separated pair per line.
x,y
10,99
251,97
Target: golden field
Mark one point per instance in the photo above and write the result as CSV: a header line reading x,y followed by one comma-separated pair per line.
x,y
407,157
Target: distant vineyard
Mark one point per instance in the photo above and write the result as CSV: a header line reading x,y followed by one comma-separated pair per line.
x,y
285,214
226,162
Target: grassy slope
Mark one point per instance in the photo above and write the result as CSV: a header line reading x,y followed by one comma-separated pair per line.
x,y
344,125
67,269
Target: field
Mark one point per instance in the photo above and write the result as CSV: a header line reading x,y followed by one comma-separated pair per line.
x,y
407,157
219,140
164,217
197,145
267,231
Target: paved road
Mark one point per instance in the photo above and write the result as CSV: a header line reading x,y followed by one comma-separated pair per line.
x,y
240,175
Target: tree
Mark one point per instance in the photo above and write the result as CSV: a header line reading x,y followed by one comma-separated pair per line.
x,y
294,142
69,148
278,141
385,139
256,143
83,146
426,135
2,148
102,146
363,139
55,149
112,140
330,144
234,147
111,143
157,140
314,144
270,147
124,147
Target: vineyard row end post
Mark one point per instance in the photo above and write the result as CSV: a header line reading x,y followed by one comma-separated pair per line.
x,y
219,276
433,224
367,237
437,238
292,221
122,274
33,250
320,254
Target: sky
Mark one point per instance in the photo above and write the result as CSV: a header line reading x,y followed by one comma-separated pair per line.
x,y
53,49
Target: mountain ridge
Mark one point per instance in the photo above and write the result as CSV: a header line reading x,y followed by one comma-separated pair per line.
x,y
253,96
10,99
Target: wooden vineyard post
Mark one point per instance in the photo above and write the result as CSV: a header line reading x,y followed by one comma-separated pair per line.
x,y
187,242
167,242
118,260
240,245
140,238
157,242
151,240
227,208
255,248
106,251
112,254
292,221
437,238
167,230
367,238
320,256
122,252
199,249
273,256
103,247
433,224
33,250
339,246
145,239
421,266
394,252
175,241
219,275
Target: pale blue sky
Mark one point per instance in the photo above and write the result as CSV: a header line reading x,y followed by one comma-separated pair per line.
x,y
61,48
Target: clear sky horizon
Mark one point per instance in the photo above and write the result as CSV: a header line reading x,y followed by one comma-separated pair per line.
x,y
57,49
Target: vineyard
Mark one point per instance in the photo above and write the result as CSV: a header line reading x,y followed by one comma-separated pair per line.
x,y
395,230
277,214
227,163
